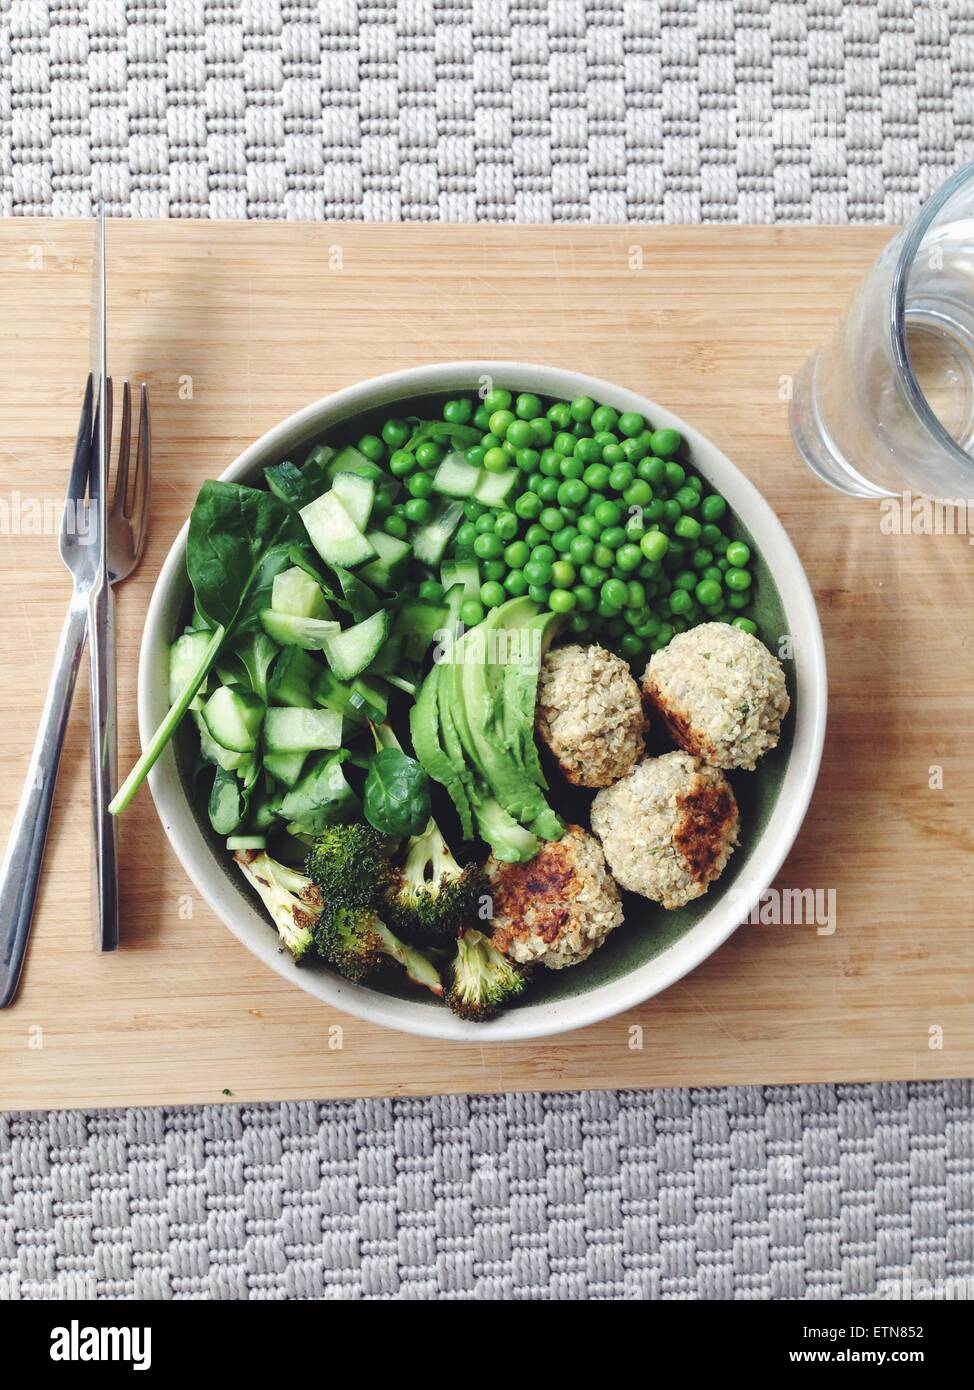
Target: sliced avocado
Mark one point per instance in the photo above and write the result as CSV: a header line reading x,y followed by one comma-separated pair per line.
x,y
424,727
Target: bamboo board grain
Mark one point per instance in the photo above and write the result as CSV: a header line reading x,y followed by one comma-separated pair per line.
x,y
236,325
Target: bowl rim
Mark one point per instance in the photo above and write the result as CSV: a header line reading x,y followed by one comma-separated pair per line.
x,y
688,951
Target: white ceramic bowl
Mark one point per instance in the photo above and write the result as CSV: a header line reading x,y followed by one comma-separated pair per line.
x,y
224,889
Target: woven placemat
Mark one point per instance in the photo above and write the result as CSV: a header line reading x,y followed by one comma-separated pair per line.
x,y
533,110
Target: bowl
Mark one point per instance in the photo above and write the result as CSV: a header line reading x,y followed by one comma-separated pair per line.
x,y
654,948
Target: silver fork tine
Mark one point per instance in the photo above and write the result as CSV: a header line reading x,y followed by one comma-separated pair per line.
x,y
81,463
143,466
120,495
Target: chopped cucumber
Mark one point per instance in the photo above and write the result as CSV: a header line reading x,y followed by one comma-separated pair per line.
x,y
185,655
296,487
292,679
328,690
465,572
233,715
246,842
295,592
334,534
213,752
361,598
370,698
493,488
430,541
322,797
291,631
357,494
392,554
350,460
455,477
417,623
301,730
285,767
349,652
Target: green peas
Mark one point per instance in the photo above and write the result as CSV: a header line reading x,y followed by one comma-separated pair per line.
x,y
638,493
429,454
506,526
713,572
585,597
580,624
612,454
685,579
608,513
738,599
636,594
621,476
654,511
396,432
539,593
649,626
550,464
596,476
551,519
701,557
492,594
664,443
653,470
604,418
560,415
486,521
592,575
401,464
418,510
634,451
631,423
466,535
431,591
581,408
543,432
528,506
527,460
498,399
499,422
687,498
680,601
519,433
488,547
548,489
581,548
631,646
480,417
738,554
475,455
708,591
588,451
562,601
472,510
614,593
493,569
516,584
564,444
543,553
710,533
471,612
572,493
687,528
395,526
607,611
737,579
454,413
745,625
613,537
562,539
712,508
654,545
563,574
672,511
495,460
572,468
372,447
536,535
675,475
635,529
588,526
527,406
629,557
537,572
517,554
663,637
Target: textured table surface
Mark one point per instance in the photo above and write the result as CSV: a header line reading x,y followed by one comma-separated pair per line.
x,y
528,111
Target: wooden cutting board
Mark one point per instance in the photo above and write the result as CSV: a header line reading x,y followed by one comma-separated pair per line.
x,y
234,326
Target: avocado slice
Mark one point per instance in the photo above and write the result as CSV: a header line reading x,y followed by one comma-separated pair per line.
x,y
424,726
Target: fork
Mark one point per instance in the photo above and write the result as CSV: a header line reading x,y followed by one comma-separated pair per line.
x,y
125,530
21,867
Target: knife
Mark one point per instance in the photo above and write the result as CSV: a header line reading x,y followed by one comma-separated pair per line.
x,y
101,632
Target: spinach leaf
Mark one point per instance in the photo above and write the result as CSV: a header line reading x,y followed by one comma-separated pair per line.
x,y
322,797
396,799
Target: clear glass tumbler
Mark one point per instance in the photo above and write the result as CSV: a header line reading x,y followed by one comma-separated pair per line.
x,y
886,406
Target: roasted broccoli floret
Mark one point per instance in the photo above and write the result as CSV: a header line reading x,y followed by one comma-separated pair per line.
x,y
350,865
482,981
432,897
353,941
292,899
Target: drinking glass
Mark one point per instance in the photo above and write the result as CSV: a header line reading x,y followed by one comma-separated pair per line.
x,y
887,404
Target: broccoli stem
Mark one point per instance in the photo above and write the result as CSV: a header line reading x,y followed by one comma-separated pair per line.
x,y
429,859
419,969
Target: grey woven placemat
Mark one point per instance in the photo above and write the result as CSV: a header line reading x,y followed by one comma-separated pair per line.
x,y
483,109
